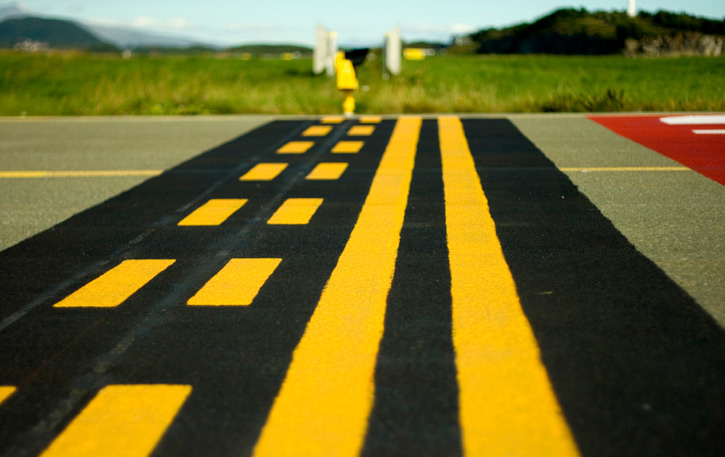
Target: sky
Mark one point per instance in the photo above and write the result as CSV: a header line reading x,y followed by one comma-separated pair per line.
x,y
230,22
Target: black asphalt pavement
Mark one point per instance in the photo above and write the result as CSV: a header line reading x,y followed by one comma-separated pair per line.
x,y
635,363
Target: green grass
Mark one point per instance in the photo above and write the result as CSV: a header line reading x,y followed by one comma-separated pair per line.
x,y
80,84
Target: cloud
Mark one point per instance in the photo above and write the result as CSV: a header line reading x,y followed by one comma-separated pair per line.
x,y
174,23
429,32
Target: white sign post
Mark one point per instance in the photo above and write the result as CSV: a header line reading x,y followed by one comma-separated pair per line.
x,y
392,53
631,8
323,57
319,56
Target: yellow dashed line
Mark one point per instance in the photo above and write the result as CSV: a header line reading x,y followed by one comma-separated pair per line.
x,y
5,392
317,130
347,147
213,212
296,147
115,286
295,211
78,174
332,119
361,130
327,171
507,405
326,397
264,172
121,421
370,119
236,284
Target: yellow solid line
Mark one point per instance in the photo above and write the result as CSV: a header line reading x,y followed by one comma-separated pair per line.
x,y
121,421
236,284
347,147
78,173
213,212
361,130
317,130
327,170
264,172
507,405
116,285
5,392
370,119
588,169
332,119
323,406
296,147
295,211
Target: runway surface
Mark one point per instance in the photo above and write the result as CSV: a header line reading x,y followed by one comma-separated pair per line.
x,y
522,285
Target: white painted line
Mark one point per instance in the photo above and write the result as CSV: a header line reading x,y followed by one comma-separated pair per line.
x,y
694,120
709,132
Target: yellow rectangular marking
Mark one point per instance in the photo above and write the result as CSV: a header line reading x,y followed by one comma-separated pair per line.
x,y
370,119
327,171
121,421
317,130
332,119
116,285
296,147
348,147
213,212
326,397
78,173
361,130
264,172
295,211
5,392
236,284
507,405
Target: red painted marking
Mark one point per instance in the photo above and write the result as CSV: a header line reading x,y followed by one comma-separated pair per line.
x,y
702,153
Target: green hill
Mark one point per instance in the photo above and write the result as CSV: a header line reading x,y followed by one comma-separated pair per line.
x,y
578,31
57,33
270,49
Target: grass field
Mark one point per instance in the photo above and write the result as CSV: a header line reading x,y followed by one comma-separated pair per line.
x,y
78,84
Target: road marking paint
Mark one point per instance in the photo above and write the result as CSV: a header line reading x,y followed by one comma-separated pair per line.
x,y
327,171
507,406
295,211
264,172
332,119
348,147
5,392
326,397
694,120
121,421
370,119
213,212
361,130
709,132
237,284
317,130
616,169
116,285
79,173
296,147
